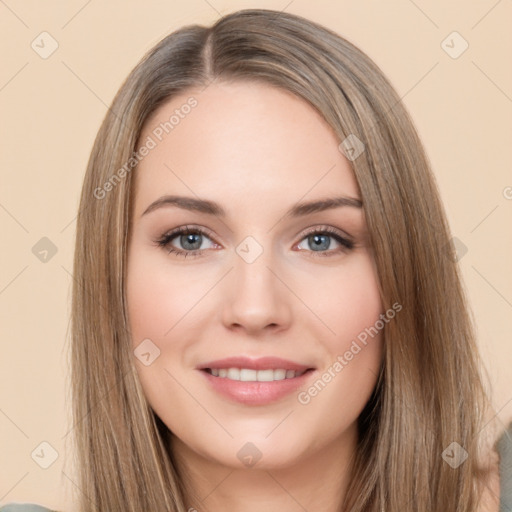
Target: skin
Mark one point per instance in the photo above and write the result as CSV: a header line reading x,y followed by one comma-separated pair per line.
x,y
257,151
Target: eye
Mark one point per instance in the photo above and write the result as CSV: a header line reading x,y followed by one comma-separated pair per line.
x,y
319,240
191,238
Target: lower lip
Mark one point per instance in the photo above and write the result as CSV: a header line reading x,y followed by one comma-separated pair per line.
x,y
256,393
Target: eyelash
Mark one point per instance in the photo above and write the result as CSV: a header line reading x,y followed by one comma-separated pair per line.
x,y
165,240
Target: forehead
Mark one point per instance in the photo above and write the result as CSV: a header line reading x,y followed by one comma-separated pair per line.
x,y
241,137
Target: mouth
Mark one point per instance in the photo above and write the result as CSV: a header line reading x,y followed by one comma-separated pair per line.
x,y
255,381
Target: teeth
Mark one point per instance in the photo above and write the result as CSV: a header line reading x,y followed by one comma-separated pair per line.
x,y
248,375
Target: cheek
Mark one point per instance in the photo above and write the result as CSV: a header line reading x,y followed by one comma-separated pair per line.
x,y
350,301
151,302
156,302
164,306
158,296
351,308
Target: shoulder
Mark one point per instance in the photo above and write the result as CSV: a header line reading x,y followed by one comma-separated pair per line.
x,y
497,489
504,448
23,507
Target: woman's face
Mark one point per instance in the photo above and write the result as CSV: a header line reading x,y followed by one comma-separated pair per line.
x,y
254,281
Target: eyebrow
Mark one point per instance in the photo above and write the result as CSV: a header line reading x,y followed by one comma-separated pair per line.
x,y
212,208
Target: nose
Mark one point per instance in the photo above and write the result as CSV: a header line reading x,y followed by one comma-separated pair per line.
x,y
254,297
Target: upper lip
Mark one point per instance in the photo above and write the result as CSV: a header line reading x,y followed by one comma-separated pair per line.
x,y
262,363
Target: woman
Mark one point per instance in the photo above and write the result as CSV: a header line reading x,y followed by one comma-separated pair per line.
x,y
312,348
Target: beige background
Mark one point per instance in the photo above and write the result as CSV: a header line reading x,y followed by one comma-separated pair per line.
x,y
51,109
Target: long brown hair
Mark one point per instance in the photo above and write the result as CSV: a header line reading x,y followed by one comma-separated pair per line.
x,y
429,393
